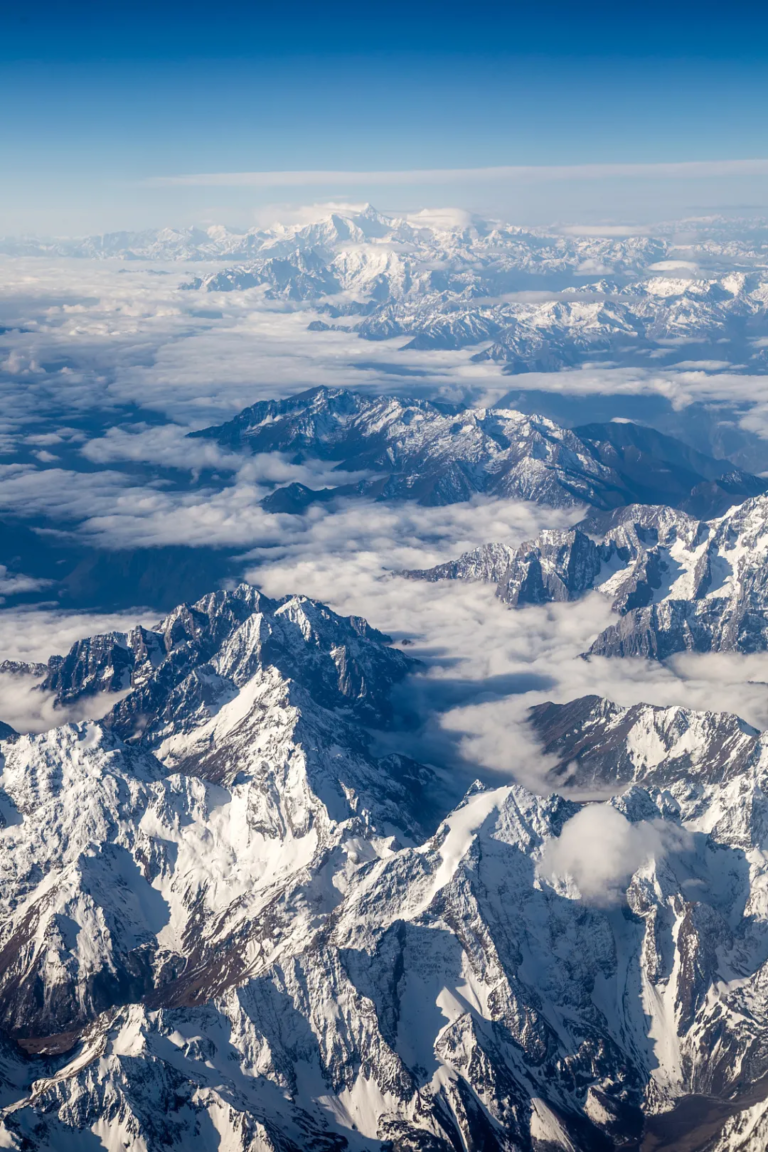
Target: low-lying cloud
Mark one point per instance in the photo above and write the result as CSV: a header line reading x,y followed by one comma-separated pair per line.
x,y
27,709
599,851
31,635
95,351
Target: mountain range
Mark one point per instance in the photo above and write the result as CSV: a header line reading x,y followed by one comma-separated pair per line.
x,y
448,282
228,923
233,918
676,583
439,453
429,451
363,228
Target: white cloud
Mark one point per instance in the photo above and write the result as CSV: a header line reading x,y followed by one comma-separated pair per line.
x,y
599,850
169,446
269,215
27,709
681,170
16,583
131,340
33,634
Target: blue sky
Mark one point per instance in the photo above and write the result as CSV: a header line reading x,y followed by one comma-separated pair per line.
x,y
106,99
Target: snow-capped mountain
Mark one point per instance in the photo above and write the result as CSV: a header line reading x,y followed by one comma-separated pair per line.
x,y
677,583
437,281
594,741
236,925
438,289
253,710
438,453
706,586
357,234
343,661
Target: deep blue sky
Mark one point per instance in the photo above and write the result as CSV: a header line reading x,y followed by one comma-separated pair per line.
x,y
100,97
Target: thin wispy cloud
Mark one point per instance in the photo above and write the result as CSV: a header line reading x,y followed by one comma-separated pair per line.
x,y
692,169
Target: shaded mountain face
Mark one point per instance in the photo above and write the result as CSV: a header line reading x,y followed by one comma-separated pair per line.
x,y
237,922
678,584
600,745
439,454
654,463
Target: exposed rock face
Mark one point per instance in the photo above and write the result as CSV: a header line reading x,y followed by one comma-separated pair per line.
x,y
438,454
559,566
601,745
711,591
677,584
488,563
22,668
195,656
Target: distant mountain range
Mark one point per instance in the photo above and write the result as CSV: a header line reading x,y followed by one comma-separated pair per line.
x,y
437,453
346,231
441,284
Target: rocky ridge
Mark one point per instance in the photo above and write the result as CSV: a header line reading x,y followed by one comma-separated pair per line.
x,y
438,453
678,584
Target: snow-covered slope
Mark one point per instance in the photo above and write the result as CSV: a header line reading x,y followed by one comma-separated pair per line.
x,y
439,453
702,587
598,744
227,922
233,964
259,770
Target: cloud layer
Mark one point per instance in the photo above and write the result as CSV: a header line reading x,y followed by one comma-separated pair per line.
x,y
682,170
105,369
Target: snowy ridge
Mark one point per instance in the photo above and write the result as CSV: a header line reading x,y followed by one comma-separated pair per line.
x,y
446,289
677,583
195,658
366,235
599,744
489,563
438,453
